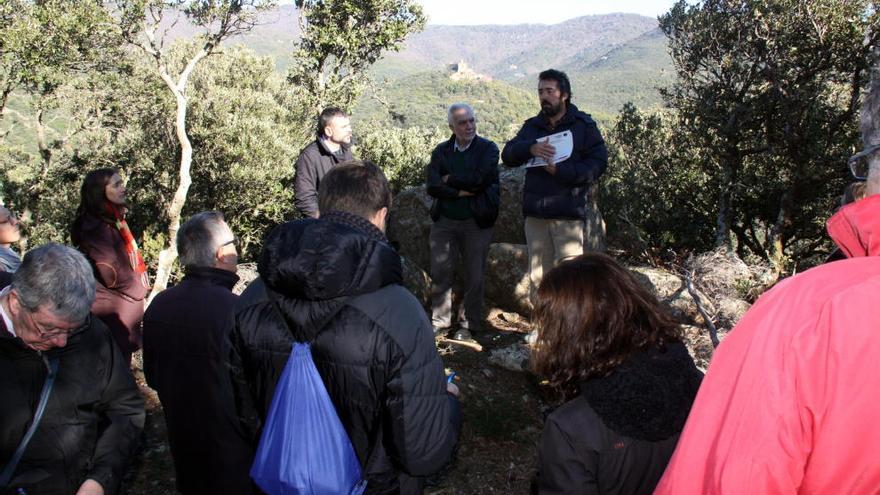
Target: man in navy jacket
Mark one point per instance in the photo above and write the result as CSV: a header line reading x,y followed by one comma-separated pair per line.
x,y
554,195
463,180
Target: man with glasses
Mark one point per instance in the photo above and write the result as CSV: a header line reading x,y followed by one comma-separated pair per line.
x,y
9,233
185,361
463,180
87,426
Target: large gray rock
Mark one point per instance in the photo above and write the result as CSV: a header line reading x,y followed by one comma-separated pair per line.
x,y
507,278
671,290
409,221
416,281
409,225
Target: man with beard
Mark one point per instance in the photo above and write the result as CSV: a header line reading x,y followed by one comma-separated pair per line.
x,y
554,195
331,147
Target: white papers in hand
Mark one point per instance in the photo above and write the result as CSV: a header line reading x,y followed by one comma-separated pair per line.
x,y
563,143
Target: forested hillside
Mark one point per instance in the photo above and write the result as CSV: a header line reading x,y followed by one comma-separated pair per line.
x,y
746,149
421,100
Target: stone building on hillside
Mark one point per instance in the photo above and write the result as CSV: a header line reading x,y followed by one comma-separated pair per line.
x,y
461,71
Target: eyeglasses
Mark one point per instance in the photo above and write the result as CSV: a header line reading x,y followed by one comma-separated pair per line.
x,y
859,163
235,242
54,332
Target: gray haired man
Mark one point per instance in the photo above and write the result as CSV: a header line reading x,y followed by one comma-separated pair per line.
x,y
186,348
88,425
463,180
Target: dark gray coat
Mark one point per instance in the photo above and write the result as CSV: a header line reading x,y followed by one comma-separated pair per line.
x,y
312,165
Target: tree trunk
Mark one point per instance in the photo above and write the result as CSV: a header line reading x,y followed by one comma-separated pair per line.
x,y
870,125
169,254
775,238
725,209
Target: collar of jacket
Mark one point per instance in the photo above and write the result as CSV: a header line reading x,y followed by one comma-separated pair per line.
x,y
326,151
856,227
356,222
649,396
571,114
450,143
211,275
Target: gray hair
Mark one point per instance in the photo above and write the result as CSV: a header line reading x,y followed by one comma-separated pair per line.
x,y
56,276
456,107
199,237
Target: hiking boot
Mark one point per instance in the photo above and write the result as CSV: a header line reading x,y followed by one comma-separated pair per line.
x,y
464,335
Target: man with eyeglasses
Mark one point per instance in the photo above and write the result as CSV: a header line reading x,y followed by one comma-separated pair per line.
x,y
9,233
186,346
87,426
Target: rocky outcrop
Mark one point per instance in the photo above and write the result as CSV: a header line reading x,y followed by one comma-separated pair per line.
x,y
507,278
409,222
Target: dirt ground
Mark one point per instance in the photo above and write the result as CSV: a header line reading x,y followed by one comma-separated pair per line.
x,y
502,409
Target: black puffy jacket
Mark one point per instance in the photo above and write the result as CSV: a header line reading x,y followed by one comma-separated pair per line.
x,y
92,421
336,283
616,438
563,195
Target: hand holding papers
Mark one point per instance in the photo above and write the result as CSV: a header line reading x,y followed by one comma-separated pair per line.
x,y
563,144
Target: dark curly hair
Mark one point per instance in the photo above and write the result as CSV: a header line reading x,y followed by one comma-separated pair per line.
x,y
591,315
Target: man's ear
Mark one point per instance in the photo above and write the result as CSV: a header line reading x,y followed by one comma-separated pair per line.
x,y
379,218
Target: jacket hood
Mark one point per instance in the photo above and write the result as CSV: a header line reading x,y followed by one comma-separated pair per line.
x,y
311,267
855,228
649,396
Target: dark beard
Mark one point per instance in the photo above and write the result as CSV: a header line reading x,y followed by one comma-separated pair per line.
x,y
550,110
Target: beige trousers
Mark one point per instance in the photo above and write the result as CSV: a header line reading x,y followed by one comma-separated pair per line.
x,y
550,242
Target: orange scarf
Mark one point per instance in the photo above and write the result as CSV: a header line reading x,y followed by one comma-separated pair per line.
x,y
131,248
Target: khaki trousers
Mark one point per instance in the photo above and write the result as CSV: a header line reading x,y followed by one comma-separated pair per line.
x,y
550,242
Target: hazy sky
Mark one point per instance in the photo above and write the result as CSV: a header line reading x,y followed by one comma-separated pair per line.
x,y
533,11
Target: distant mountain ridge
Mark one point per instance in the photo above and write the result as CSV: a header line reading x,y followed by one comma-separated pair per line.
x,y
610,59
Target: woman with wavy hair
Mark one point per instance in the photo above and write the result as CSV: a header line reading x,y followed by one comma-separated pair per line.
x,y
607,346
102,234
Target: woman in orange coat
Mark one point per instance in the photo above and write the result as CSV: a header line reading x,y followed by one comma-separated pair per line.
x,y
101,233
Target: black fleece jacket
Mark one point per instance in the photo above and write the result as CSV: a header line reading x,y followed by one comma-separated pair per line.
x,y
616,438
337,282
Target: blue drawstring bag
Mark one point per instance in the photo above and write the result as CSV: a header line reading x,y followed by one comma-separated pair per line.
x,y
304,449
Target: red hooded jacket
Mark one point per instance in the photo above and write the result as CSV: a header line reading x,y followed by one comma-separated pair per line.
x,y
791,401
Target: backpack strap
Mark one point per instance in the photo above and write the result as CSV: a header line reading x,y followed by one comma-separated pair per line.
x,y
9,469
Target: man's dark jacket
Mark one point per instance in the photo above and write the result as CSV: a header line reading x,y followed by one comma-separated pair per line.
x,y
617,436
481,161
312,165
336,282
563,195
93,418
186,352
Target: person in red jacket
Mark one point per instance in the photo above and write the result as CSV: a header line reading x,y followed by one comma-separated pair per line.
x,y
789,404
101,233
